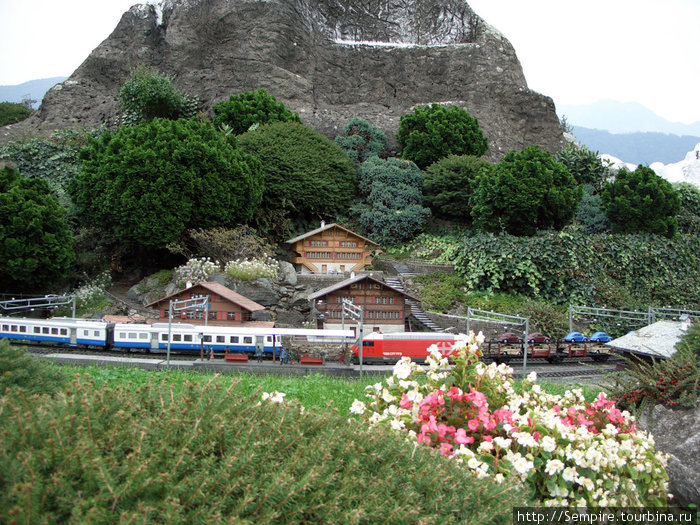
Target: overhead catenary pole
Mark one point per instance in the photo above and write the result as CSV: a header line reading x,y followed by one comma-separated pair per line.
x,y
199,303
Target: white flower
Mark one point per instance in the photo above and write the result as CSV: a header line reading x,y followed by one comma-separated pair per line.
x,y
358,407
485,446
502,442
569,474
553,467
532,377
548,443
403,368
275,397
523,466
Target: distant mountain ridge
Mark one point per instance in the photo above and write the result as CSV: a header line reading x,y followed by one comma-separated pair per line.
x,y
622,117
34,89
637,148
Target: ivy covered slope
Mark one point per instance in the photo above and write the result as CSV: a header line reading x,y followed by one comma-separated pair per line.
x,y
613,270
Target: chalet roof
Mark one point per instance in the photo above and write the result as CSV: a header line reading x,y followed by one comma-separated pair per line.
x,y
221,290
656,340
325,227
352,280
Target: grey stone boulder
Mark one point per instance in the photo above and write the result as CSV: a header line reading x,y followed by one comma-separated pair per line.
x,y
677,433
287,273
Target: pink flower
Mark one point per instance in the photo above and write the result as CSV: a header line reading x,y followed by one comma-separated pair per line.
x,y
473,425
405,402
487,437
445,449
461,437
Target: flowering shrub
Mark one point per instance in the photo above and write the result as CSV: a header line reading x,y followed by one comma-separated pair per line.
x,y
195,271
252,269
567,451
91,295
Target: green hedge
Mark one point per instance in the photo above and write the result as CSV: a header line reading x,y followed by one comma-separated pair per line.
x,y
612,270
204,454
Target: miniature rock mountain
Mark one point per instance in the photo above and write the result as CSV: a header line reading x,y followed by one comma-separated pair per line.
x,y
329,60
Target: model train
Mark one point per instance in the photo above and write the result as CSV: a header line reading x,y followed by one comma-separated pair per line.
x,y
390,347
155,337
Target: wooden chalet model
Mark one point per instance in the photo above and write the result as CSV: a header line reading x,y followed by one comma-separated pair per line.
x,y
385,308
226,307
332,249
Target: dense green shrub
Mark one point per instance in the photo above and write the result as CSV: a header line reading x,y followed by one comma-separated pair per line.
x,y
361,140
585,165
641,201
203,454
149,183
590,213
149,94
20,370
523,193
689,215
306,176
430,133
11,112
36,247
392,211
449,184
250,108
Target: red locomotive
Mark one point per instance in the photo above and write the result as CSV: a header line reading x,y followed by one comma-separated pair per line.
x,y
389,348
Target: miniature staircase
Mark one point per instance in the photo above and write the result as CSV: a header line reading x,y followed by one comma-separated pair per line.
x,y
416,311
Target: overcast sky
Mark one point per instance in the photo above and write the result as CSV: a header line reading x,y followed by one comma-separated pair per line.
x,y
577,52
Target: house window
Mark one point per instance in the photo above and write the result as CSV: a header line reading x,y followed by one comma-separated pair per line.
x,y
319,243
231,316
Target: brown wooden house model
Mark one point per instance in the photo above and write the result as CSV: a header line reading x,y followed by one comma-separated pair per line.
x,y
332,249
226,307
384,308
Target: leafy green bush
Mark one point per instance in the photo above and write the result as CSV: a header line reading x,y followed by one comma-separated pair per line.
x,y
449,184
689,215
20,370
149,94
430,133
590,213
251,108
585,165
641,201
361,140
147,184
201,454
523,193
36,246
393,210
305,174
11,112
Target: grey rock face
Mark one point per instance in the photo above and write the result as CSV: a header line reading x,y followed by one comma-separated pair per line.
x,y
677,433
329,60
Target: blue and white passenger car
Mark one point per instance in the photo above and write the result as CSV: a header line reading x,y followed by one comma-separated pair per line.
x,y
56,330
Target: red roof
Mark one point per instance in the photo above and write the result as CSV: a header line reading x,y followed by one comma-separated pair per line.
x,y
221,290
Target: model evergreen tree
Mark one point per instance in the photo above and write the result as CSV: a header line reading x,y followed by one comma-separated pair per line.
x,y
641,201
149,183
430,133
36,247
243,110
525,192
